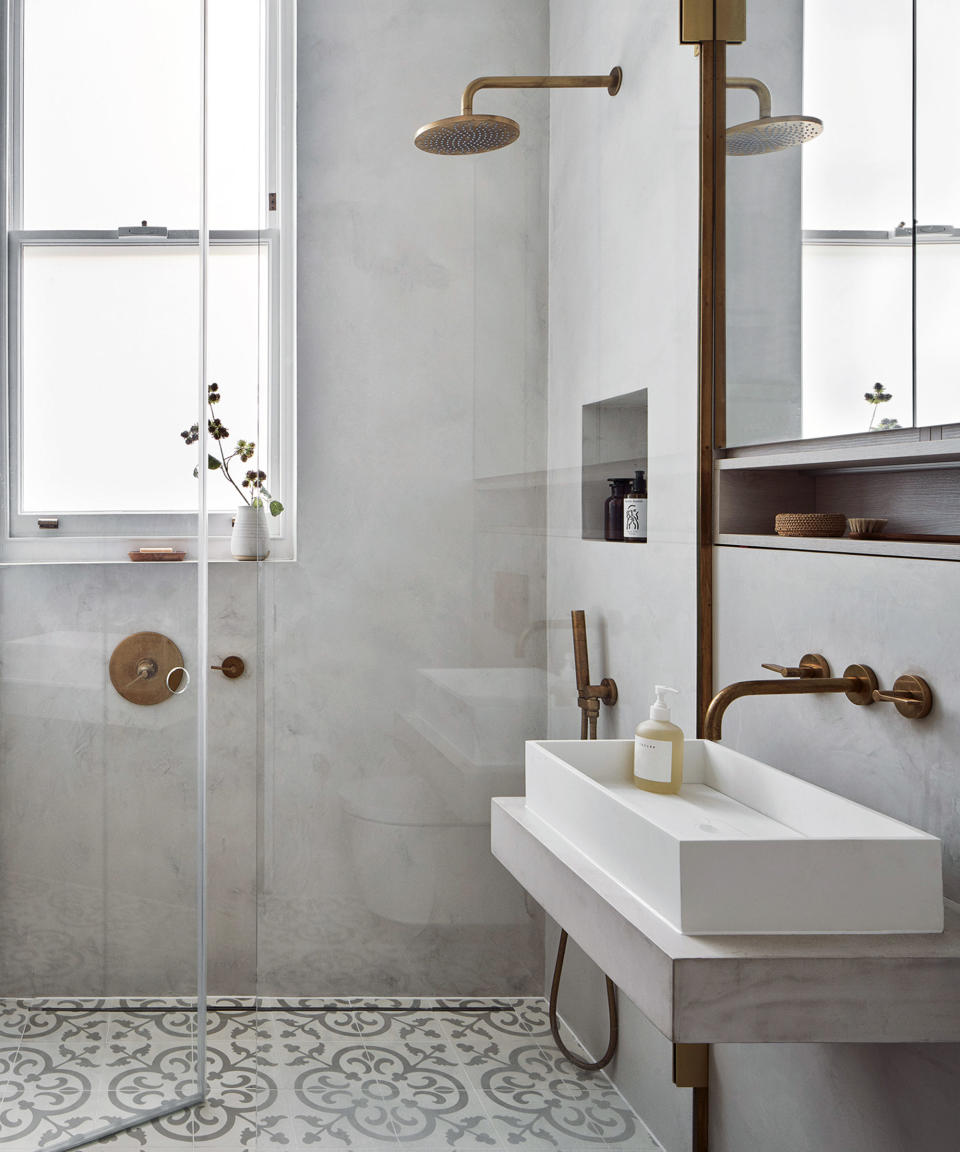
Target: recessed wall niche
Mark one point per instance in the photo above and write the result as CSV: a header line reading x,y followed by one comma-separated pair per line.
x,y
614,445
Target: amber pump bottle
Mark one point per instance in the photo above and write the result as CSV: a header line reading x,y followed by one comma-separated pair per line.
x,y
613,509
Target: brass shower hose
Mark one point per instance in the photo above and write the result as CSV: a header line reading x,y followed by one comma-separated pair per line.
x,y
589,699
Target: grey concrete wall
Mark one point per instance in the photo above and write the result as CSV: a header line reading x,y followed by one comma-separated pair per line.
x,y
895,615
623,315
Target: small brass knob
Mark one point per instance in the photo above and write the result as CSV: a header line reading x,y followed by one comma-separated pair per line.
x,y
231,667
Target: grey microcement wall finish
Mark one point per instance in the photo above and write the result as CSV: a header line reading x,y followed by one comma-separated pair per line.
x,y
770,605
439,522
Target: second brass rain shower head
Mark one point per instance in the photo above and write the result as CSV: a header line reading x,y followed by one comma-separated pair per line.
x,y
768,133
471,133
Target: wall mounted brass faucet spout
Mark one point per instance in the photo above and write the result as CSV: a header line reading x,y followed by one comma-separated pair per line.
x,y
858,683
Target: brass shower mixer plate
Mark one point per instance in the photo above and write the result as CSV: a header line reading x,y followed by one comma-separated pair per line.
x,y
141,665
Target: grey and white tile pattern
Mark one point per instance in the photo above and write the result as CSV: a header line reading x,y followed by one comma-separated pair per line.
x,y
346,1073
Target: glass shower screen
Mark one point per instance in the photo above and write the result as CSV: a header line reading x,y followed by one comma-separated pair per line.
x,y
103,644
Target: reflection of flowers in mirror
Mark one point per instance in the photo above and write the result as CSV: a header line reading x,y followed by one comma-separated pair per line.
x,y
879,395
254,478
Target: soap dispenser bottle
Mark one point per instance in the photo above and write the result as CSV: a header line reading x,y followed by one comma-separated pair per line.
x,y
658,749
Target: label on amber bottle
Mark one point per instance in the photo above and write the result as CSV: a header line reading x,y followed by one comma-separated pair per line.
x,y
634,518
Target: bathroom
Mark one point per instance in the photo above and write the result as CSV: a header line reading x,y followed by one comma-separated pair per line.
x,y
423,349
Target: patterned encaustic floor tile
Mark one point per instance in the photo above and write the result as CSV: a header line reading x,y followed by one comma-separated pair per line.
x,y
341,1073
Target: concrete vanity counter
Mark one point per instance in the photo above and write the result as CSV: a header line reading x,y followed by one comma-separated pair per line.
x,y
738,989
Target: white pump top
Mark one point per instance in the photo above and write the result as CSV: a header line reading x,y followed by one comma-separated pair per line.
x,y
660,709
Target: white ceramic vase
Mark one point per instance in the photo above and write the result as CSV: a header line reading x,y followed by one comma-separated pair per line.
x,y
251,536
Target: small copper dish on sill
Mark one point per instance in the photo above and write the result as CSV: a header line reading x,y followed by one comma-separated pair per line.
x,y
820,524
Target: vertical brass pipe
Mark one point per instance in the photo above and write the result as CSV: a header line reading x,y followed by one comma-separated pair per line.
x,y
588,699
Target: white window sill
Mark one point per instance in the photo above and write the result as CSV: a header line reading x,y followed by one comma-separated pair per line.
x,y
115,549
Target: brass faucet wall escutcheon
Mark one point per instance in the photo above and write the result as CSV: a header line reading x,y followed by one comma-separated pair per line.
x,y
912,696
230,666
146,668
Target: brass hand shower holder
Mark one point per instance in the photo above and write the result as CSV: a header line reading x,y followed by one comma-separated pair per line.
x,y
589,696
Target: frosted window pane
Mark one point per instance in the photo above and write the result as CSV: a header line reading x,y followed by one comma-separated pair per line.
x,y
236,176
857,77
938,354
856,331
938,111
111,113
110,366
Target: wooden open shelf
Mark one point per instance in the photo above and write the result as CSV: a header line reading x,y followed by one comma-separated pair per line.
x,y
913,483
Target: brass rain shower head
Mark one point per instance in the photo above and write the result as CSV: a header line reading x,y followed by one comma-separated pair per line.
x,y
769,133
471,133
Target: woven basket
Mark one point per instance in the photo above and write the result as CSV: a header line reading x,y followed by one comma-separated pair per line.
x,y
810,524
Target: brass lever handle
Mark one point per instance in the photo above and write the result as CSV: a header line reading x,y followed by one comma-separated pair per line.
x,y
231,667
812,664
912,696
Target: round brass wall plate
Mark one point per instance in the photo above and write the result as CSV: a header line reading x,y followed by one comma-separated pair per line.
x,y
868,678
814,666
140,665
919,689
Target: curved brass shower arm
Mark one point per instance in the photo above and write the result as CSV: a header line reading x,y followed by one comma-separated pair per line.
x,y
757,86
611,83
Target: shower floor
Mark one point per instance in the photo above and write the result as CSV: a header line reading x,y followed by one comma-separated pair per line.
x,y
356,1074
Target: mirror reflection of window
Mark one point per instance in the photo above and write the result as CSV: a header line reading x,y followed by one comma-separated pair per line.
x,y
856,189
938,203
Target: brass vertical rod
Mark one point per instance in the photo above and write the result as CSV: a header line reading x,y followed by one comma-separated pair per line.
x,y
712,106
711,412
701,1119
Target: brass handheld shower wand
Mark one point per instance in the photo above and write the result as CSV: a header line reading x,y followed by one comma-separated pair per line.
x,y
589,696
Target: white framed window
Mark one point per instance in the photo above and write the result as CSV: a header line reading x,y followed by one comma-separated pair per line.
x,y
104,169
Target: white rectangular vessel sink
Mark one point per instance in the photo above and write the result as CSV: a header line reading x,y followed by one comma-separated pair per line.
x,y
742,848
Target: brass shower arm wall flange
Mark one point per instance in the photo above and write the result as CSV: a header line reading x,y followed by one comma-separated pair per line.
x,y
757,86
611,83
912,696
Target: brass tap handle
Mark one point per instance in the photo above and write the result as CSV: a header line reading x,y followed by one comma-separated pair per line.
x,y
232,667
912,696
812,664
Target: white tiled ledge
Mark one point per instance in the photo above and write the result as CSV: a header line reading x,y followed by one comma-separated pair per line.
x,y
876,547
738,989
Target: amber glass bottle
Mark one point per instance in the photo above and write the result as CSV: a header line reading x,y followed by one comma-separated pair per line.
x,y
613,509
